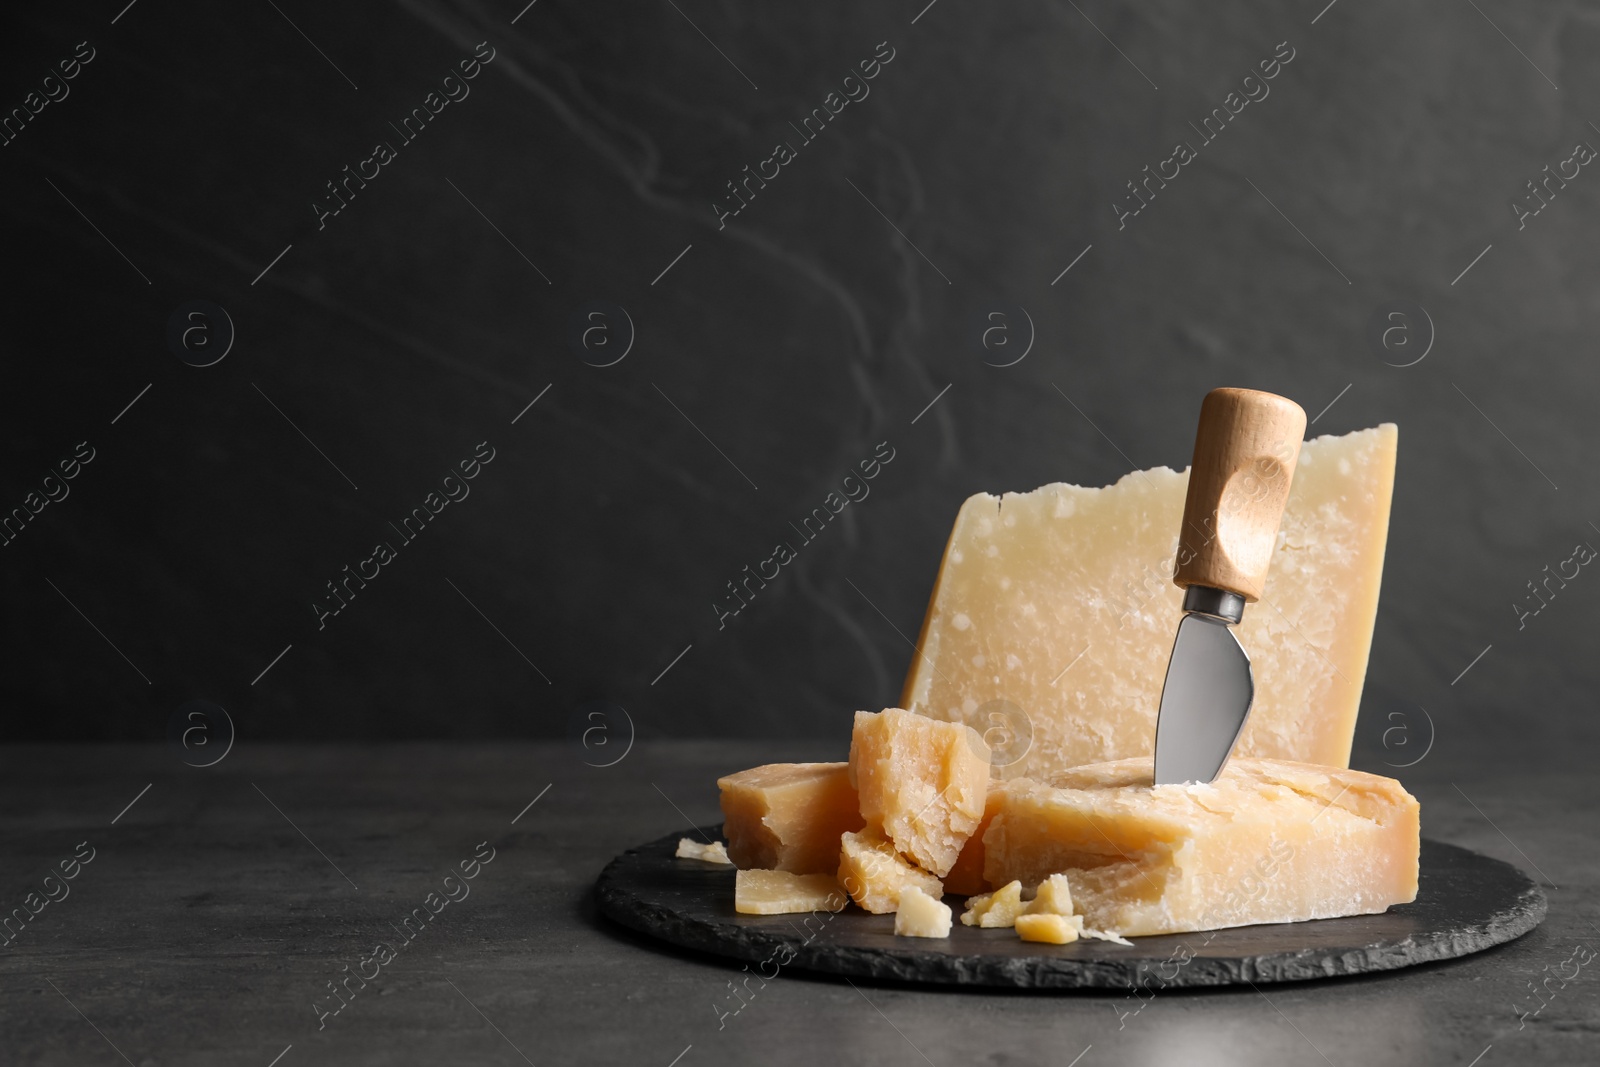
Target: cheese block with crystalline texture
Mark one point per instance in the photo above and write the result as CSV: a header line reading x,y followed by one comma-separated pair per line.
x,y
1270,841
1052,618
788,816
923,782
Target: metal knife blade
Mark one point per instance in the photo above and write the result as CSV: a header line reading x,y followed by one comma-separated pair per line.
x,y
1204,703
1245,451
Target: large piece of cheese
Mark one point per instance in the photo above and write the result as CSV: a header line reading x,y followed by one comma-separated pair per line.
x,y
788,816
1052,618
923,782
1269,841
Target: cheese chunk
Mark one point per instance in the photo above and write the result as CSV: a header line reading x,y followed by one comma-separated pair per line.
x,y
920,915
1269,842
1052,617
875,875
690,849
1048,927
996,909
788,816
924,782
784,893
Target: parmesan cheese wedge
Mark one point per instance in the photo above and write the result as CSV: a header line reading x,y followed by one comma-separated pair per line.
x,y
1269,841
1050,623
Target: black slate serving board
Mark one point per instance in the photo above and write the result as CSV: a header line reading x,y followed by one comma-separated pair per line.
x,y
1466,902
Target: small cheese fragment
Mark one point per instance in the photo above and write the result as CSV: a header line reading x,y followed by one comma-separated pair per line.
x,y
924,782
690,849
1053,613
920,915
996,909
1100,935
788,816
784,893
875,875
1053,897
1048,927
965,877
1269,842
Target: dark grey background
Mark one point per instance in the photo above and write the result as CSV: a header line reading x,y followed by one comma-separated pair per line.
x,y
807,331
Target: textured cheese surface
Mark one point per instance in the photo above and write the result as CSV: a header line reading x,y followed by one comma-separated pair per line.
x,y
785,893
875,875
1054,612
1270,841
921,915
788,816
965,877
923,782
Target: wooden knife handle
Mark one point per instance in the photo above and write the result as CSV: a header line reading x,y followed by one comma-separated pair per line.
x,y
1245,452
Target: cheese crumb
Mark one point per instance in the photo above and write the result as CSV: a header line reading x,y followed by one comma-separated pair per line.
x,y
990,910
1053,897
921,915
1105,935
689,849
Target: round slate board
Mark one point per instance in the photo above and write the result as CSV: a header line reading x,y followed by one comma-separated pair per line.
x,y
1465,903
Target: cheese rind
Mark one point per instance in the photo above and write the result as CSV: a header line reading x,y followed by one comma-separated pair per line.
x,y
923,782
1270,841
1054,610
875,875
920,915
758,892
788,816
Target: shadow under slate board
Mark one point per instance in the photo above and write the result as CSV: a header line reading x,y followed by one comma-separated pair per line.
x,y
1466,902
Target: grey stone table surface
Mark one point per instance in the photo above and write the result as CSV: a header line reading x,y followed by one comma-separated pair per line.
x,y
218,904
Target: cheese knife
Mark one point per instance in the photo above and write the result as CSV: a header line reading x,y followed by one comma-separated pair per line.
x,y
1245,451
